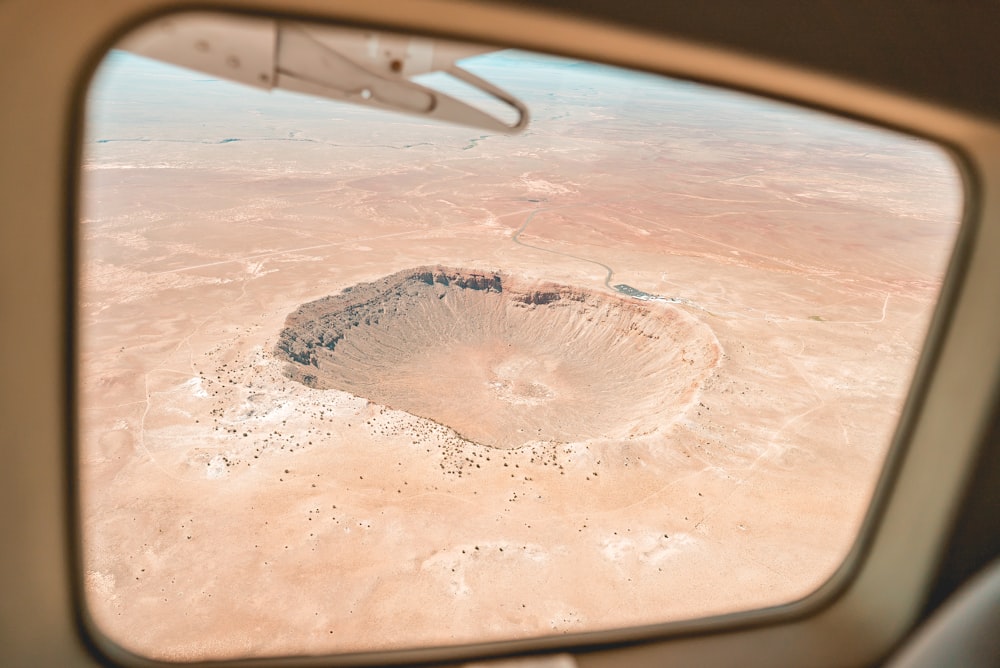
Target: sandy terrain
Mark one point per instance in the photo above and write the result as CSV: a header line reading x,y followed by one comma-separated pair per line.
x,y
549,476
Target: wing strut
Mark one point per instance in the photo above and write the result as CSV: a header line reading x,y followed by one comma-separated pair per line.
x,y
357,66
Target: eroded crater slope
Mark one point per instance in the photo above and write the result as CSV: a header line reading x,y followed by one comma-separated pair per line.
x,y
501,360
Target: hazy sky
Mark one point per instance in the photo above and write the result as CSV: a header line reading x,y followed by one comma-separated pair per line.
x,y
131,94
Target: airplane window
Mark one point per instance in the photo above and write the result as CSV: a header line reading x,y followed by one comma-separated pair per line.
x,y
364,367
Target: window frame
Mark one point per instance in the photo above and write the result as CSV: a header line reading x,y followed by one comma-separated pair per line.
x,y
875,596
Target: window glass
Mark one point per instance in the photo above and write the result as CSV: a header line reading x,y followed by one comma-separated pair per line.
x,y
352,379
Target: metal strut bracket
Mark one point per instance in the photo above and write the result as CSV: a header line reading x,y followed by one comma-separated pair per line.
x,y
357,66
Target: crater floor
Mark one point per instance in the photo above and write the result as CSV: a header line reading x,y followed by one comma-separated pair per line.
x,y
504,362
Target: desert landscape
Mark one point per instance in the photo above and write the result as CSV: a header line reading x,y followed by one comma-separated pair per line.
x,y
352,381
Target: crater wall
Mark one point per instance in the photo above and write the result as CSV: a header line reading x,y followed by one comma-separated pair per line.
x,y
501,360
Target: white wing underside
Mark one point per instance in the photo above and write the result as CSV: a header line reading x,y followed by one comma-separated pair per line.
x,y
358,66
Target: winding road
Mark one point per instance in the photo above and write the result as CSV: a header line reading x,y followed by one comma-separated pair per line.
x,y
517,239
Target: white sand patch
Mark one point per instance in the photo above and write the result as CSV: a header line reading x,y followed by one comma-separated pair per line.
x,y
545,187
197,388
217,468
261,407
127,285
259,357
452,564
102,584
650,548
295,258
615,549
256,269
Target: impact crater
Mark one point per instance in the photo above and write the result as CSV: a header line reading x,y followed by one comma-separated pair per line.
x,y
502,360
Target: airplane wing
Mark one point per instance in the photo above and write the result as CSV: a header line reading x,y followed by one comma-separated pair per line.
x,y
358,66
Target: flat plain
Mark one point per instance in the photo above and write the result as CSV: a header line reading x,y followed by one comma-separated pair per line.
x,y
514,481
